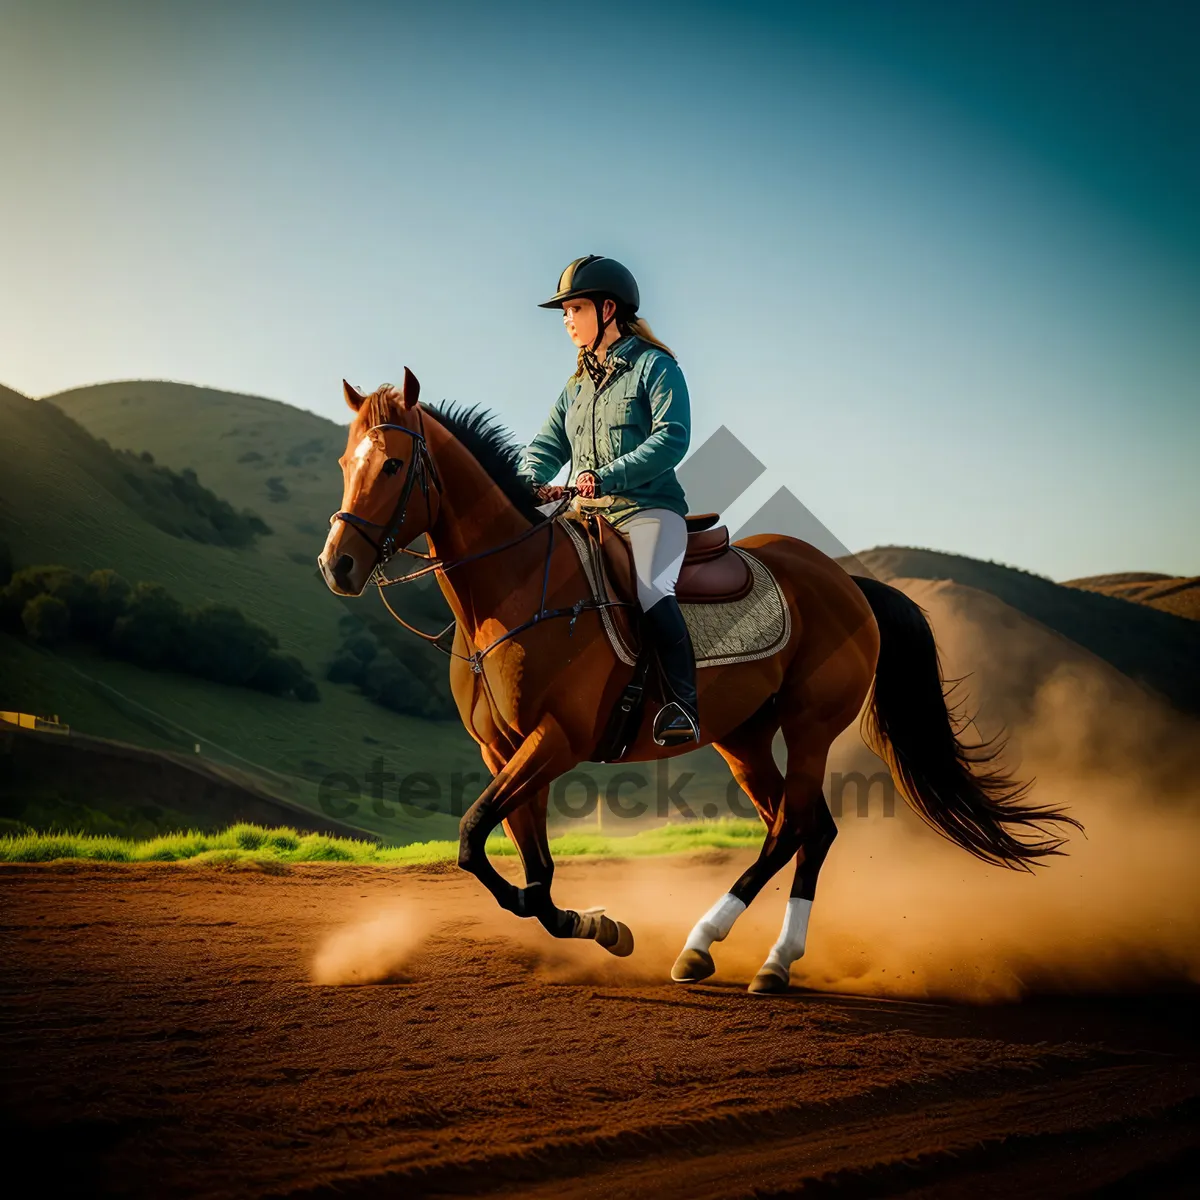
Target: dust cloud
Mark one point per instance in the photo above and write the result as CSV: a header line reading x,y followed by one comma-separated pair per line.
x,y
901,912
375,950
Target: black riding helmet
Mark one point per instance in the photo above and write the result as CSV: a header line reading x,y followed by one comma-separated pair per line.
x,y
597,278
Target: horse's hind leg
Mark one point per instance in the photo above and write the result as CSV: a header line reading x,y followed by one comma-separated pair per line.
x,y
747,750
807,813
775,974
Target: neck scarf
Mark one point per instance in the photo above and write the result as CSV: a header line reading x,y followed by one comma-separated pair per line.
x,y
593,366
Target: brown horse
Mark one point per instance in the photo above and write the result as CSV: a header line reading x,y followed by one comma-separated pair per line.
x,y
535,685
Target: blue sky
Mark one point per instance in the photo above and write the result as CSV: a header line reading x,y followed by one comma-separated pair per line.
x,y
938,269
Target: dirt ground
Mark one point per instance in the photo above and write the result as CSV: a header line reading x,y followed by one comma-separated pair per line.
x,y
362,1032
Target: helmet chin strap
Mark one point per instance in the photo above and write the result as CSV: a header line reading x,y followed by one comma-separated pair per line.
x,y
591,360
601,324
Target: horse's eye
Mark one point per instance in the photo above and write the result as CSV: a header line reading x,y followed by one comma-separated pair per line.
x,y
392,466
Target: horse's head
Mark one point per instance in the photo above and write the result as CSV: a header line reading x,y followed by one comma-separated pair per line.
x,y
389,486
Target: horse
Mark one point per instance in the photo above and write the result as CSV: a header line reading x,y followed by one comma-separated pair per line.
x,y
534,685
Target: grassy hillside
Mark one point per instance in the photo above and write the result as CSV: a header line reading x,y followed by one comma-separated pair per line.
x,y
1158,649
261,454
64,499
290,747
266,456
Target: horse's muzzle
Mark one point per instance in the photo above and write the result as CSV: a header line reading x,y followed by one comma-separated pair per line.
x,y
337,576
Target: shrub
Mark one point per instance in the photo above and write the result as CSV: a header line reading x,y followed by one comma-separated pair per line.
x,y
148,626
283,839
152,628
346,669
47,620
284,674
247,837
179,504
107,598
53,580
364,648
222,645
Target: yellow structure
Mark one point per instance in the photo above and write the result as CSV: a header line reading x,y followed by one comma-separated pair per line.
x,y
29,721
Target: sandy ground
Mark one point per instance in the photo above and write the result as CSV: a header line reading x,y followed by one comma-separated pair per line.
x,y
339,1031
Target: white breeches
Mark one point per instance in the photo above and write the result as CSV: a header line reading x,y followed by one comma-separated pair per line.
x,y
658,538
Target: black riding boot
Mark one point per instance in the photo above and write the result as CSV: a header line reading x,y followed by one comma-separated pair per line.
x,y
678,720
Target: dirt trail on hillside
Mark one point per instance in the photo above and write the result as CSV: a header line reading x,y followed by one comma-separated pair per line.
x,y
174,1030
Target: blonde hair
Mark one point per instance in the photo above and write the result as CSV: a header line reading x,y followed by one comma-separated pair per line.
x,y
639,327
635,325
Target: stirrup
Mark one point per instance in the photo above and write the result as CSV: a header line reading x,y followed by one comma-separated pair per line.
x,y
674,725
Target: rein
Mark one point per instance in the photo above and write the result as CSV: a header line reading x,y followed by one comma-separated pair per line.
x,y
423,469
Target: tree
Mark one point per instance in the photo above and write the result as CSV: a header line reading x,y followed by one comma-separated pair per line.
x,y
47,620
152,629
282,674
363,647
106,599
221,644
68,586
346,669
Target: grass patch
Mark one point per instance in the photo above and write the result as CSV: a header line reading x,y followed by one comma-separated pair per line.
x,y
252,843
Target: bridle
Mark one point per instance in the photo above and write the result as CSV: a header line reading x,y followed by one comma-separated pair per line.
x,y
423,470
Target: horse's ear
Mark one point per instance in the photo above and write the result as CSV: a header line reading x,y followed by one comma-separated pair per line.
x,y
354,397
411,390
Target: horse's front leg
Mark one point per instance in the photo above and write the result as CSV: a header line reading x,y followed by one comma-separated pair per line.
x,y
526,829
517,796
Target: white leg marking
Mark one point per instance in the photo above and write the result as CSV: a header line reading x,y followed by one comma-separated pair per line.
x,y
790,945
715,925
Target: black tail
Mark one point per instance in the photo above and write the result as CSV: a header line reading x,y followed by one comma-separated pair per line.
x,y
911,727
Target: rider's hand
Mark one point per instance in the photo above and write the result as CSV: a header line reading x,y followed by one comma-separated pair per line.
x,y
550,491
587,485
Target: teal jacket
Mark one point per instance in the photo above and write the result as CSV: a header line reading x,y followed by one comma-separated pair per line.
x,y
631,432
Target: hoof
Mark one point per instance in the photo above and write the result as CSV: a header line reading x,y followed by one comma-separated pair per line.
x,y
767,983
623,946
692,966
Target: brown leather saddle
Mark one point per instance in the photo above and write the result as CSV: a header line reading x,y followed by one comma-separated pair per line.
x,y
712,573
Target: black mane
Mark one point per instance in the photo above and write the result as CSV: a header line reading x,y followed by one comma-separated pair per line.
x,y
492,445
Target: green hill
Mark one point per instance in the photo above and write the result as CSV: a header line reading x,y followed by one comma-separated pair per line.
x,y
65,498
258,454
1160,650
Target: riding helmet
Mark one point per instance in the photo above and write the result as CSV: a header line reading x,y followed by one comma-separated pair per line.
x,y
594,275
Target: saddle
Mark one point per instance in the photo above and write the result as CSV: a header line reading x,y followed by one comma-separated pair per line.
x,y
712,573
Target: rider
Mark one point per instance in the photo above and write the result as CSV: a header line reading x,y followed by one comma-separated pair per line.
x,y
624,422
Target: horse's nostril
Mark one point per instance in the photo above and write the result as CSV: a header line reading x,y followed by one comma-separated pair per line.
x,y
342,568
